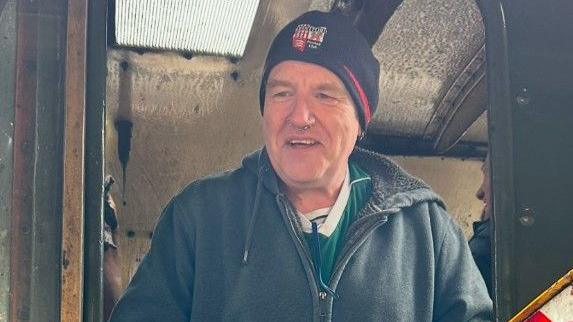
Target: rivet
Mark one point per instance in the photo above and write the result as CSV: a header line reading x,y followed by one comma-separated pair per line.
x,y
523,97
527,217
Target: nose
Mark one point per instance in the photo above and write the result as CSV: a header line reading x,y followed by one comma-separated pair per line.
x,y
300,116
480,193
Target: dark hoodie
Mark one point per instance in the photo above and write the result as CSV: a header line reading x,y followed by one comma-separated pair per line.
x,y
230,248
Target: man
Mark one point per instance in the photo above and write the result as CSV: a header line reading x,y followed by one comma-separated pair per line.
x,y
480,243
310,228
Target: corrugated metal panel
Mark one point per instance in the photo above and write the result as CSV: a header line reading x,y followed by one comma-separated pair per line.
x,y
206,26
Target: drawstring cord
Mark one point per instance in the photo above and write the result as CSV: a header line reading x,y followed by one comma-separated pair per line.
x,y
254,212
317,261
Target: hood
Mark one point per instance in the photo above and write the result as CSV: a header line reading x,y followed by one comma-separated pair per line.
x,y
393,187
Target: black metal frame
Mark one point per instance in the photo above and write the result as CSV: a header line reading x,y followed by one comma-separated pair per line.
x,y
94,162
530,61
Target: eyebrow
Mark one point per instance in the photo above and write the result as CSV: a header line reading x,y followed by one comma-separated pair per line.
x,y
273,82
326,86
331,87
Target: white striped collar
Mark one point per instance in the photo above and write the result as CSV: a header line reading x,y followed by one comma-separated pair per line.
x,y
326,226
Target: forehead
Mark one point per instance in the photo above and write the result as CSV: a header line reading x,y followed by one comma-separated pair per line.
x,y
292,71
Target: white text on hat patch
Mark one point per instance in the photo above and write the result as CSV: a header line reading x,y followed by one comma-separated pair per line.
x,y
307,36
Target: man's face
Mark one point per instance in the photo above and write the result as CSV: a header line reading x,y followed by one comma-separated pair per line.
x,y
484,191
310,125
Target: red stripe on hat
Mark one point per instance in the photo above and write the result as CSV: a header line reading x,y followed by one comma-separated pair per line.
x,y
363,98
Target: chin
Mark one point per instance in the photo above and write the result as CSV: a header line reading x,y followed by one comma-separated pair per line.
x,y
302,175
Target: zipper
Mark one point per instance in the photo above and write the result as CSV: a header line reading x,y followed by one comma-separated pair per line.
x,y
347,252
322,296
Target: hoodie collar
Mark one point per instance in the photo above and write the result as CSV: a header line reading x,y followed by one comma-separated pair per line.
x,y
392,187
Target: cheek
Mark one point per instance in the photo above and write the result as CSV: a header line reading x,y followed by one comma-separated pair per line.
x,y
271,125
351,130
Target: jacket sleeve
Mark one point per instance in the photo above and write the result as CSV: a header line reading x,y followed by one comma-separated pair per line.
x,y
162,287
460,291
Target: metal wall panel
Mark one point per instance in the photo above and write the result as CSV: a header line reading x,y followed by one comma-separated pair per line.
x,y
7,73
36,195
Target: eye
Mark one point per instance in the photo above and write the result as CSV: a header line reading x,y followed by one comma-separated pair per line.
x,y
326,98
282,94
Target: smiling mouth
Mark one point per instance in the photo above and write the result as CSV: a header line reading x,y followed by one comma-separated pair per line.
x,y
302,143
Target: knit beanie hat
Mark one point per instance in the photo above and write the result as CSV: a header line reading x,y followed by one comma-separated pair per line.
x,y
330,40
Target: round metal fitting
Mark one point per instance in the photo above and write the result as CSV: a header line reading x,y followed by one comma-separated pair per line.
x,y
527,217
527,221
523,98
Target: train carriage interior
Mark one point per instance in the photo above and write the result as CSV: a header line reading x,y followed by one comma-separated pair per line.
x,y
193,114
180,85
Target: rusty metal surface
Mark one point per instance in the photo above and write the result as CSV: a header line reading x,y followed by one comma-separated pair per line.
x,y
23,189
36,194
48,160
7,77
74,158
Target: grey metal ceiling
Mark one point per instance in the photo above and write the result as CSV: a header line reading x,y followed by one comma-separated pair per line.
x,y
422,50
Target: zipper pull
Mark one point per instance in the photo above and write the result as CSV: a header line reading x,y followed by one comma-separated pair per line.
x,y
317,261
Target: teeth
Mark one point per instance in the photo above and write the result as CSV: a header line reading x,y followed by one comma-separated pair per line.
x,y
306,142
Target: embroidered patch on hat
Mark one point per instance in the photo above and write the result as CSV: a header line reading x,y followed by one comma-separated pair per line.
x,y
307,36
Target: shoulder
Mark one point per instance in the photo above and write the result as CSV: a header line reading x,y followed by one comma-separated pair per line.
x,y
225,181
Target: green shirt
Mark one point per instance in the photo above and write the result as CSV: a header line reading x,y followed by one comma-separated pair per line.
x,y
360,190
